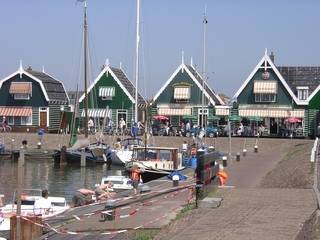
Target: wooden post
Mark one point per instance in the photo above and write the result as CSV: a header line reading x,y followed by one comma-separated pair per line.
x,y
83,159
175,159
63,155
12,148
19,192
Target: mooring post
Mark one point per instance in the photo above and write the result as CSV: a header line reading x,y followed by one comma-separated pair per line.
x,y
19,192
238,157
83,159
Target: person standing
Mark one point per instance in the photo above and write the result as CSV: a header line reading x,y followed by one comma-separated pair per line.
x,y
122,125
42,206
135,178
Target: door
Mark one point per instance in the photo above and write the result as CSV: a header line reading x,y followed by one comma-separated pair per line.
x,y
43,119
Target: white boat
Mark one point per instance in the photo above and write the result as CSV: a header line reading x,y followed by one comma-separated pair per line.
x,y
124,154
120,183
58,205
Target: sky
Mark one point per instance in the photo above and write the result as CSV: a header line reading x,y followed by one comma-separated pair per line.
x,y
48,33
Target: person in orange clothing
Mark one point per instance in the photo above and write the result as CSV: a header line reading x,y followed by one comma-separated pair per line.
x,y
222,176
135,177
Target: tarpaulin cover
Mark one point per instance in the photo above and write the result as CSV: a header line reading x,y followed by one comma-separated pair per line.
x,y
181,177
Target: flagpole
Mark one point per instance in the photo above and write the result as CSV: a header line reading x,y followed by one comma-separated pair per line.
x,y
137,61
85,26
204,63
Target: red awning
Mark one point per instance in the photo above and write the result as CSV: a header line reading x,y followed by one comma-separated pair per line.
x,y
16,111
20,87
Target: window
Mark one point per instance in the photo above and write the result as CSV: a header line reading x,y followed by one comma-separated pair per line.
x,y
181,93
106,93
26,120
10,120
265,97
303,93
21,96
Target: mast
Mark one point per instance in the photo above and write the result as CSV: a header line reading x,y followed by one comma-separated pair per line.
x,y
85,43
204,75
137,62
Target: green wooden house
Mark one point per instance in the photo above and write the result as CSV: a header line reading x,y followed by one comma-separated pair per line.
x,y
112,96
32,99
280,95
181,96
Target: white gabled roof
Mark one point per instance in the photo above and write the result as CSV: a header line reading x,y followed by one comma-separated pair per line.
x,y
104,71
266,59
183,67
21,71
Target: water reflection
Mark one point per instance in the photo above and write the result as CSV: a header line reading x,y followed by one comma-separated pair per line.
x,y
59,180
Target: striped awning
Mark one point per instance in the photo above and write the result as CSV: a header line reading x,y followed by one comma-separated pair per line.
x,y
274,113
181,92
16,111
106,91
265,87
174,111
222,111
20,87
98,113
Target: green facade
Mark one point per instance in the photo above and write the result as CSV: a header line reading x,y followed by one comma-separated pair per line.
x,y
283,97
36,100
181,79
120,100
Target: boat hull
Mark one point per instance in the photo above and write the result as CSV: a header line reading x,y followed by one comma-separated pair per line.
x,y
74,157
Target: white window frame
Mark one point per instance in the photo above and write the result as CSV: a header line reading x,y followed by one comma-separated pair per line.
x,y
122,111
44,109
21,96
258,97
303,92
28,121
106,98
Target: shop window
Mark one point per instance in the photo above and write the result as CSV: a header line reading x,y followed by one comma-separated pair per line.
x,y
26,120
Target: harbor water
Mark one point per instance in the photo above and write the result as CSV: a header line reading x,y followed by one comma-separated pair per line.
x,y
44,174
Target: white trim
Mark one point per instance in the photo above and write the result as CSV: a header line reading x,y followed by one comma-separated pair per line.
x,y
109,70
183,67
266,58
47,111
117,120
21,71
313,94
302,88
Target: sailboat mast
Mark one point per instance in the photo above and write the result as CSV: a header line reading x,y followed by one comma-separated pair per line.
x,y
137,61
85,43
204,75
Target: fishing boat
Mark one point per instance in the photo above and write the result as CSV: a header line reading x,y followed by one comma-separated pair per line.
x,y
155,162
29,196
93,153
123,152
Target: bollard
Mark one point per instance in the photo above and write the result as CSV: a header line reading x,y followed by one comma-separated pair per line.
x,y
109,213
83,159
39,145
175,180
238,157
224,161
244,152
256,148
